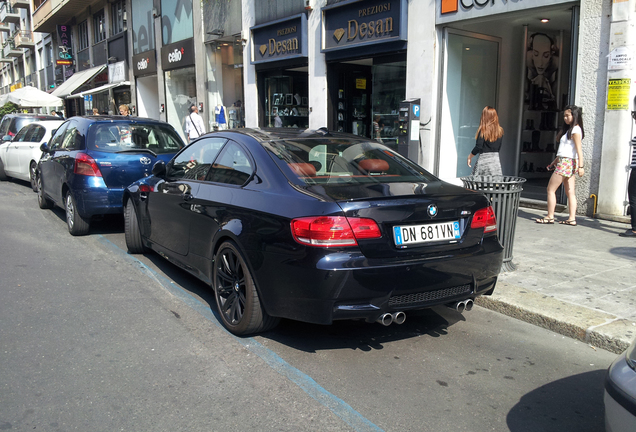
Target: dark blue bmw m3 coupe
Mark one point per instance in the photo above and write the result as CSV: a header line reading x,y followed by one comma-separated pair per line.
x,y
89,161
313,226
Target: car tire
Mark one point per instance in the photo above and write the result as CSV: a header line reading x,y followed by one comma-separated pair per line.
x,y
235,292
3,174
43,201
77,225
33,176
131,230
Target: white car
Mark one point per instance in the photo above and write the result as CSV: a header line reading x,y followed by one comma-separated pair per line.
x,y
19,157
620,393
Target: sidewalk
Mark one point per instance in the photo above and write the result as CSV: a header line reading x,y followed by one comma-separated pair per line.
x,y
577,281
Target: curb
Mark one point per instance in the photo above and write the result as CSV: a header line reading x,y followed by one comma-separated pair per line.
x,y
596,328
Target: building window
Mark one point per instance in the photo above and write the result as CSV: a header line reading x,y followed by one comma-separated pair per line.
x,y
118,17
49,54
82,33
99,27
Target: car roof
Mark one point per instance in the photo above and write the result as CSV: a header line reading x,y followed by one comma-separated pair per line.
x,y
31,115
277,134
47,123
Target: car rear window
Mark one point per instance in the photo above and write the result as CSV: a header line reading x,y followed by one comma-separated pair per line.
x,y
321,161
19,123
121,136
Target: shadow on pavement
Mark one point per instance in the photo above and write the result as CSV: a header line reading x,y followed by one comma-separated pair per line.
x,y
574,403
359,335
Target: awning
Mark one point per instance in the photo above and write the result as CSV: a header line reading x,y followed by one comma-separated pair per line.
x,y
77,80
102,88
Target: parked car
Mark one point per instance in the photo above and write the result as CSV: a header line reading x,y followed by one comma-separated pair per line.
x,y
12,123
313,226
620,393
90,160
20,156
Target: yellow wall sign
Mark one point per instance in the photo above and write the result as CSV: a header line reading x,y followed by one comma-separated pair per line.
x,y
618,94
361,83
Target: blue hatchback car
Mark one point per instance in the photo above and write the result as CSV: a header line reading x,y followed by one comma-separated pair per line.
x,y
89,162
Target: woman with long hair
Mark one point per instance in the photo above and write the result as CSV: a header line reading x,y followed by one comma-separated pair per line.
x,y
568,162
487,145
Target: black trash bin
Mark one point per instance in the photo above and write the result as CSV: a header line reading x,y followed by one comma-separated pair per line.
x,y
504,193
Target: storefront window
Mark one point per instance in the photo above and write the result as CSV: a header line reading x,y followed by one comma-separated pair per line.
x,y
286,100
389,89
180,95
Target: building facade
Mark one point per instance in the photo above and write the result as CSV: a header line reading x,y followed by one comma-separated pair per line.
x,y
347,65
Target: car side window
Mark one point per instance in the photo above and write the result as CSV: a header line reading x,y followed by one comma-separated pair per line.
x,y
34,134
72,138
195,161
56,140
232,166
21,135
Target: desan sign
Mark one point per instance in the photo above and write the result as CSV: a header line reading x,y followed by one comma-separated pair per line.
x,y
280,40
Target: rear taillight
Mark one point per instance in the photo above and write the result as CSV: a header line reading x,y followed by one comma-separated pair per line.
x,y
86,165
485,218
332,231
144,188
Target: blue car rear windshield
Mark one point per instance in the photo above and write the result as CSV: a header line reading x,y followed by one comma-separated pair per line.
x,y
320,161
121,136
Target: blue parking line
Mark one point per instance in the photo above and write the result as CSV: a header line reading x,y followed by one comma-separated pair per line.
x,y
336,405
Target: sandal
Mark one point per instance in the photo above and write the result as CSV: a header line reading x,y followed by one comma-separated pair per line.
x,y
545,220
568,222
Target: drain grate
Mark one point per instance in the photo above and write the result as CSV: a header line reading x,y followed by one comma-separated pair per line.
x,y
429,296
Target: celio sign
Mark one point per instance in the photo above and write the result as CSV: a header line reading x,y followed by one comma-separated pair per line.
x,y
178,54
449,6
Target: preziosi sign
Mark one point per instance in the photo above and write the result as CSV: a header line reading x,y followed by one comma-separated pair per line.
x,y
178,54
280,40
363,22
144,63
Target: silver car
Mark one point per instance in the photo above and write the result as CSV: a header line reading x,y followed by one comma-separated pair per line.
x,y
620,393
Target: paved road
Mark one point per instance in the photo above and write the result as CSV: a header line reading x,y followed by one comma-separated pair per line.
x,y
92,338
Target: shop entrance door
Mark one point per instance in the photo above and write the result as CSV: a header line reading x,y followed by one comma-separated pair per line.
x,y
354,99
471,78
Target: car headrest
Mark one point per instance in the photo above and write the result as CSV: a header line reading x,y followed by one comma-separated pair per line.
x,y
374,165
303,169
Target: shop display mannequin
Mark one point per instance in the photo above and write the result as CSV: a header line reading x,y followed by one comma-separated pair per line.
x,y
219,116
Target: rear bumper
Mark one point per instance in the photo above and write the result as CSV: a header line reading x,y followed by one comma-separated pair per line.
x,y
93,197
339,285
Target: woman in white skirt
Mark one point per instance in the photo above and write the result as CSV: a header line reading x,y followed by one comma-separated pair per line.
x,y
487,146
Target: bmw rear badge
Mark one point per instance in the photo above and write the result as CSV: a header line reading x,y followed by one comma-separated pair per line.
x,y
432,210
146,161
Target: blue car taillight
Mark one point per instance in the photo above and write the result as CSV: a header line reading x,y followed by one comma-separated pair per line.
x,y
86,165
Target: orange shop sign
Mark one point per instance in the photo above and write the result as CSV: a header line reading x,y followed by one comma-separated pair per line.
x,y
449,6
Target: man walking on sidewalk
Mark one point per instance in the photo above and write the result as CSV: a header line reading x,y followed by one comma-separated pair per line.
x,y
631,185
194,126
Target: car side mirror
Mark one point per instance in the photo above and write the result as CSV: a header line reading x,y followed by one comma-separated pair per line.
x,y
7,138
159,169
44,148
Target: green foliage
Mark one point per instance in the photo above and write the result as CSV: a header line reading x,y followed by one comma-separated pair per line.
x,y
8,108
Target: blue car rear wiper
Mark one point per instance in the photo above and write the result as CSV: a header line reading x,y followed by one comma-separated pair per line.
x,y
135,150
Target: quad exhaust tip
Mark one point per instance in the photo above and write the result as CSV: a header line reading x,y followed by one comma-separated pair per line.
x,y
387,319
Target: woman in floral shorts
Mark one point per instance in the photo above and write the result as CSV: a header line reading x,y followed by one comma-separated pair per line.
x,y
569,161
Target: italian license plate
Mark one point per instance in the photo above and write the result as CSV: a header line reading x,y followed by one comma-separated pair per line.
x,y
418,234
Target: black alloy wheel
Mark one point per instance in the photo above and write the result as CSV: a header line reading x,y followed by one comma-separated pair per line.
x,y
77,225
131,230
43,201
33,176
235,292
